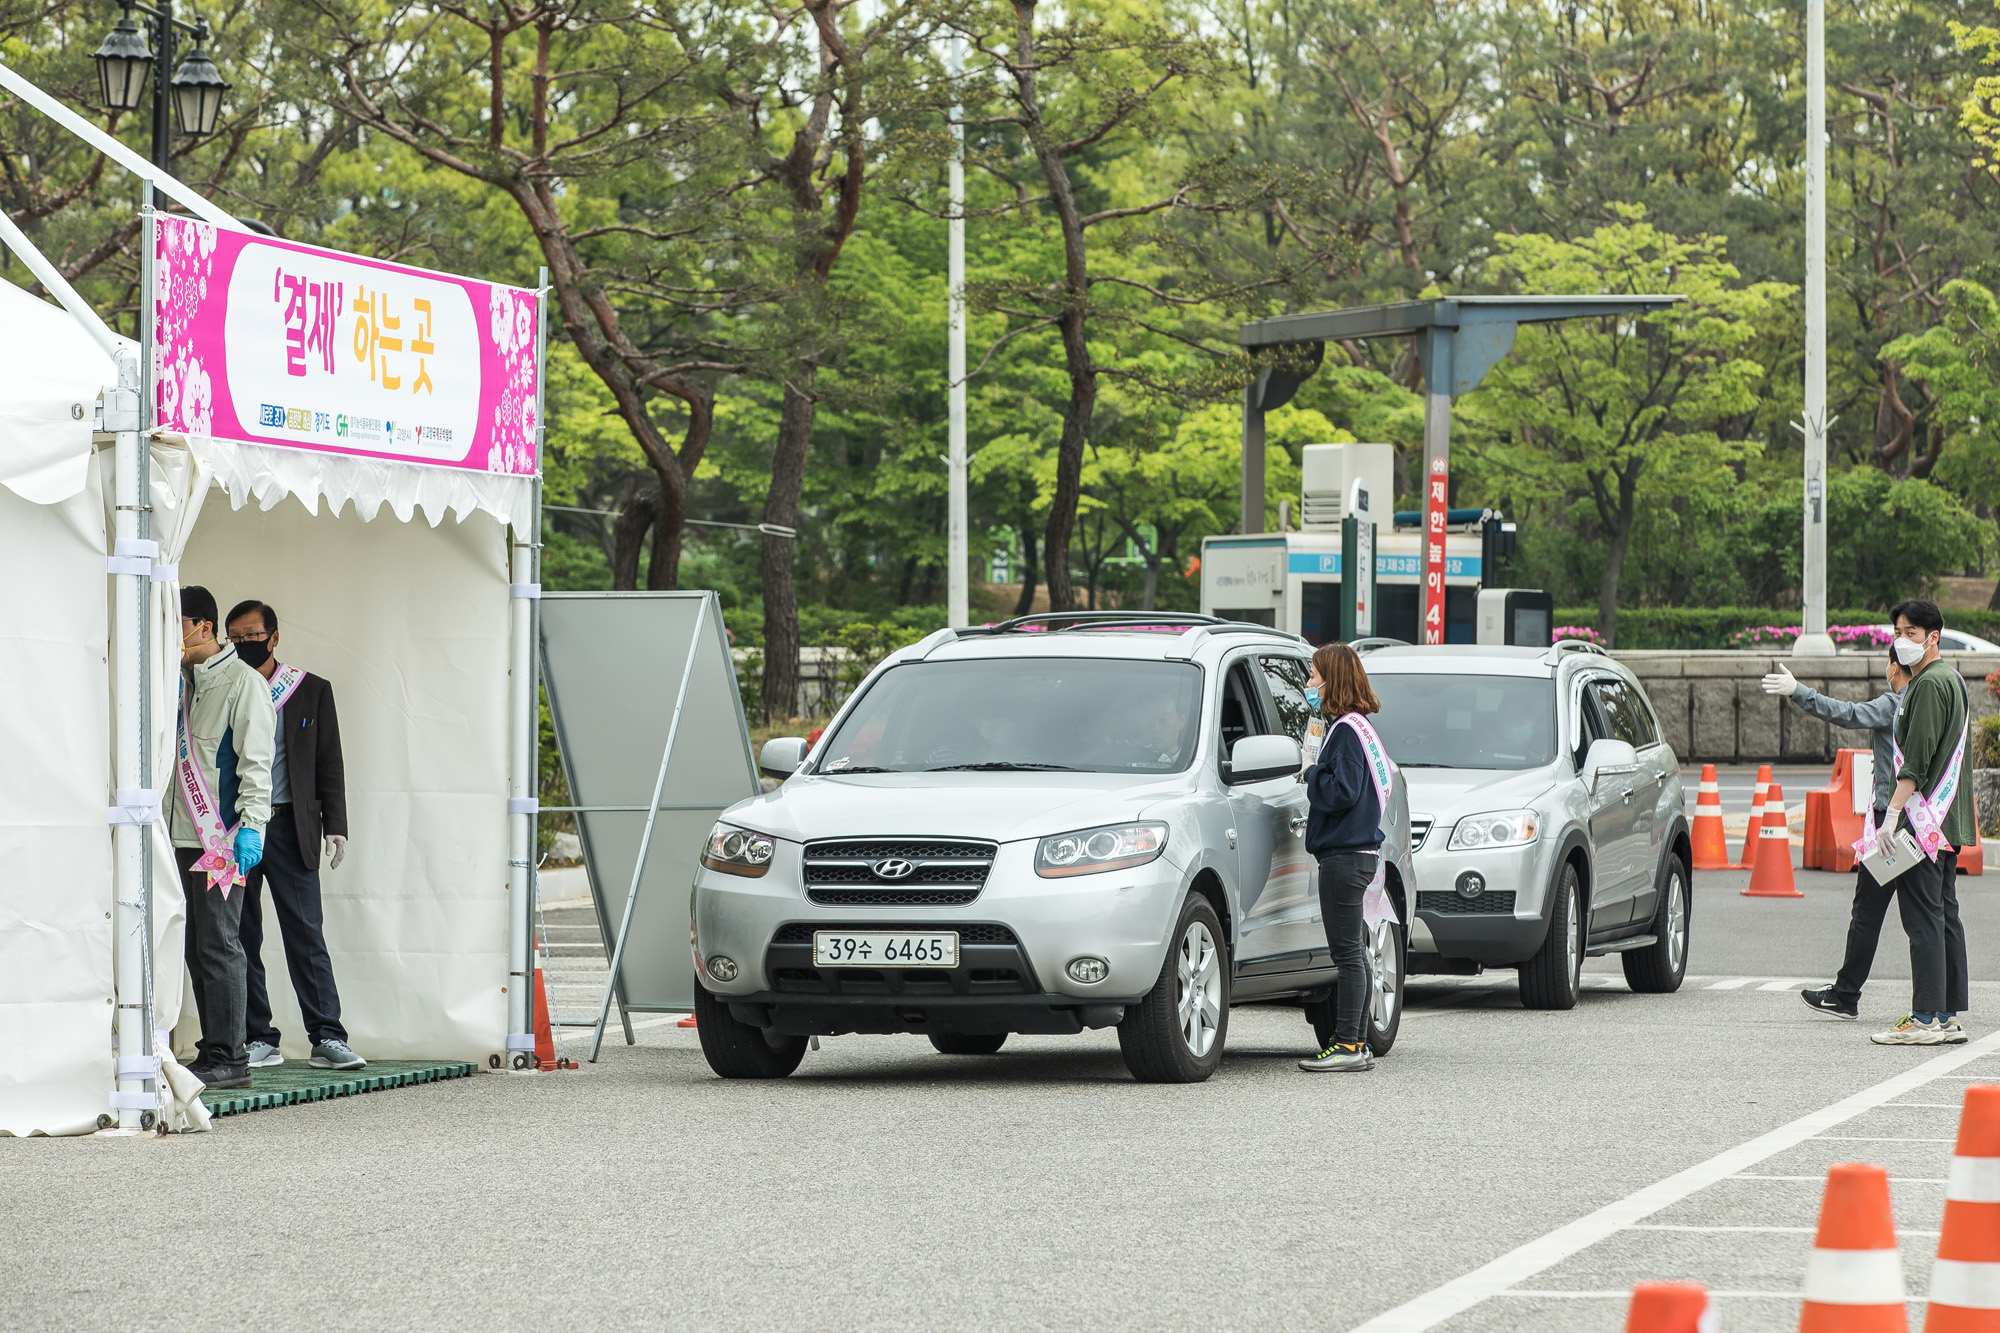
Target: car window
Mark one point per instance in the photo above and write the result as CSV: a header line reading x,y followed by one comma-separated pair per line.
x,y
1621,712
1590,725
1287,678
1239,715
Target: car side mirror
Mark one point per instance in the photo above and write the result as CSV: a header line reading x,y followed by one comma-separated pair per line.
x,y
1609,758
1255,758
782,756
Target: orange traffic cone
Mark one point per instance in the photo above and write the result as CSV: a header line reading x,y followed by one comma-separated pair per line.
x,y
1965,1281
545,1039
1711,845
1771,877
1670,1307
687,1022
1854,1280
1751,835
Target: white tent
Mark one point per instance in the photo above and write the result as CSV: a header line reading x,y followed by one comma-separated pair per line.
x,y
412,623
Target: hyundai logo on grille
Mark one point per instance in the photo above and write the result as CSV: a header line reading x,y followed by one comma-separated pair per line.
x,y
893,869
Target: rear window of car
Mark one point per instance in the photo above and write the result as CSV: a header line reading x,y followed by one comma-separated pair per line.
x,y
1466,720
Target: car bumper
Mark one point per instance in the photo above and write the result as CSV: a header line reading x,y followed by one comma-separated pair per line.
x,y
1502,925
1016,941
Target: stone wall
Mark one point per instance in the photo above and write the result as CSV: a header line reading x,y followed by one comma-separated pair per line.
x,y
1713,709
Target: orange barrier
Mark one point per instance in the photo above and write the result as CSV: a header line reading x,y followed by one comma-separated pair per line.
x,y
1972,859
1669,1307
1771,877
1854,1280
1711,845
1752,833
1831,824
1965,1281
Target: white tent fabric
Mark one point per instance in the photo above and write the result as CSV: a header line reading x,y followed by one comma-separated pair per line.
x,y
267,475
54,373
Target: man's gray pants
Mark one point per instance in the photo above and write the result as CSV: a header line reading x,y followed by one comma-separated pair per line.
x,y
215,963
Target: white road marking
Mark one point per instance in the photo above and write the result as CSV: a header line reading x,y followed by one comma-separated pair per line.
x,y
1679,1226
1786,983
1874,1138
1544,1252
1733,983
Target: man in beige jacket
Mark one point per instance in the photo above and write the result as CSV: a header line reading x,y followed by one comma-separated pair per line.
x,y
221,802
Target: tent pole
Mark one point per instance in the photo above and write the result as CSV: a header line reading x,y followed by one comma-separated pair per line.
x,y
646,839
535,611
521,789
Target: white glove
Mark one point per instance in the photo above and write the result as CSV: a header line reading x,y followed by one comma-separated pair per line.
x,y
336,847
1780,682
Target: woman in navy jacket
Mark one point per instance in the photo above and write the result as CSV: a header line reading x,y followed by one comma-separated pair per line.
x,y
1344,831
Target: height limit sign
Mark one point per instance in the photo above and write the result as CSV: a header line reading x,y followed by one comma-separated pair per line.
x,y
1435,495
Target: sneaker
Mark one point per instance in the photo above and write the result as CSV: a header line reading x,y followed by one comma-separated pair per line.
x,y
1341,1058
1954,1035
263,1055
331,1054
222,1076
1830,1004
1909,1032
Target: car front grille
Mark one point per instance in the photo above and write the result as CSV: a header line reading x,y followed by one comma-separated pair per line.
x,y
1452,904
971,932
944,873
1419,830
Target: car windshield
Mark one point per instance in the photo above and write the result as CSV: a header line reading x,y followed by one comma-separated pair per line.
x,y
1465,721
1092,715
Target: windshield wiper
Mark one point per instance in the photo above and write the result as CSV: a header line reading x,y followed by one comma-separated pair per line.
x,y
1419,764
1002,766
843,772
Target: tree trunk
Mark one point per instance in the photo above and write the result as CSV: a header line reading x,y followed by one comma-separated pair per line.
x,y
1029,573
1069,463
637,516
1152,587
663,574
781,508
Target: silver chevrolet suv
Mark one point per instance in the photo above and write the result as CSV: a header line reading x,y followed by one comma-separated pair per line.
x,y
1056,823
1545,814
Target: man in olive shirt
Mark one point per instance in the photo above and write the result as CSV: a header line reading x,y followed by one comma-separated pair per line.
x,y
1930,729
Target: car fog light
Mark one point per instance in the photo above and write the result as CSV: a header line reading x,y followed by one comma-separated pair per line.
x,y
722,968
1470,884
1088,971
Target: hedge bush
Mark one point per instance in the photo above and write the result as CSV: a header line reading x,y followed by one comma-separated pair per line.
x,y
1713,626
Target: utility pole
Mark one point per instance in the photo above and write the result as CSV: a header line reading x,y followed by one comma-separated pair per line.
x,y
1813,640
958,611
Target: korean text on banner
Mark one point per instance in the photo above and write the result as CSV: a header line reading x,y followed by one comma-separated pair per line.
x,y
268,342
1435,495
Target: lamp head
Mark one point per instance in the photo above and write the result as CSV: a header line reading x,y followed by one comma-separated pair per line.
x,y
123,62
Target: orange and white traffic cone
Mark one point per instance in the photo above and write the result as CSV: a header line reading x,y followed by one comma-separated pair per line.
x,y
1771,877
1711,845
687,1022
1751,834
1854,1280
1670,1307
1965,1280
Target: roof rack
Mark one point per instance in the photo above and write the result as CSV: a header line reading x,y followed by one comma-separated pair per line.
x,y
1058,621
1561,646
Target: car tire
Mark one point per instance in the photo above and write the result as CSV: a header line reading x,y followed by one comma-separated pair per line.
x,y
1553,978
1190,997
1658,968
1387,956
736,1049
968,1043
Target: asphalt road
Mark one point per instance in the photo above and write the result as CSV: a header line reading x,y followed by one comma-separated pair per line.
x,y
887,1186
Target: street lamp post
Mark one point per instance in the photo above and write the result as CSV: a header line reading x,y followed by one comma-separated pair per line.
x,y
1813,640
127,57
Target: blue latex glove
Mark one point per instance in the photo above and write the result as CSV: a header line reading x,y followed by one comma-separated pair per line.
x,y
249,849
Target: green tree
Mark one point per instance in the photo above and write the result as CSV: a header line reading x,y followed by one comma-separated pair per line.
x,y
1957,362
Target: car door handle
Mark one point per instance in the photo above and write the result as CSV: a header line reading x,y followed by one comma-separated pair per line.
x,y
1628,796
1298,823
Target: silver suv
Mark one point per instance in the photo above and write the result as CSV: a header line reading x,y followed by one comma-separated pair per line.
x,y
1546,815
1056,823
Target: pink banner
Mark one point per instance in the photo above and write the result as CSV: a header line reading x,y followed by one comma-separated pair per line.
x,y
269,342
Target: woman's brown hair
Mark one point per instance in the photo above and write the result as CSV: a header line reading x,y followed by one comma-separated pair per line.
x,y
1344,684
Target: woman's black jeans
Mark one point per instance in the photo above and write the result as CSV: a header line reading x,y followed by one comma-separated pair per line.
x,y
1343,880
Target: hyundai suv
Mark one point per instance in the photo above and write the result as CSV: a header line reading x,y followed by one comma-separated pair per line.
x,y
1545,815
1056,823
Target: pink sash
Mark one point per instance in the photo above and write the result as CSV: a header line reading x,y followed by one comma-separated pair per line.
x,y
218,844
1375,904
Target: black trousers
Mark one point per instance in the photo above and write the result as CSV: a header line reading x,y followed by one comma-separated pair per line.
x,y
1343,881
1927,899
214,953
295,896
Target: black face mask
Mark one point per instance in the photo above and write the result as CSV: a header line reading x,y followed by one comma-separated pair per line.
x,y
256,652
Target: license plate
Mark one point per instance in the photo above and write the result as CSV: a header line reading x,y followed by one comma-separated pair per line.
x,y
885,948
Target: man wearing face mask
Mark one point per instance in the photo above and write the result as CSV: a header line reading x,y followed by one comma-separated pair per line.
x,y
1876,716
308,803
1930,801
222,800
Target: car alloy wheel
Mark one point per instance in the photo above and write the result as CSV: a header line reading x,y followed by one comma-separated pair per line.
x,y
1573,945
1677,922
1383,968
1199,992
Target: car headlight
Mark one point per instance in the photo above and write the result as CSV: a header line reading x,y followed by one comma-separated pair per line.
x,y
736,851
1502,828
1088,851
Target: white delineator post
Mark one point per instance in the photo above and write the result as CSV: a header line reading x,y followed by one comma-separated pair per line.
x,y
1813,640
957,577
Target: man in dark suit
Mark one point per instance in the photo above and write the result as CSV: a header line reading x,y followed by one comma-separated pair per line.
x,y
308,802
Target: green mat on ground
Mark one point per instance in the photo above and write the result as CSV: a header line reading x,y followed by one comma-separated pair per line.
x,y
294,1082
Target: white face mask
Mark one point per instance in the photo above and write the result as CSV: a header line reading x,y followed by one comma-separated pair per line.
x,y
1908,651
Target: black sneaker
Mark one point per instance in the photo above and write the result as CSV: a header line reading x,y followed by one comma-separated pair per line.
x,y
214,1077
1830,1004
